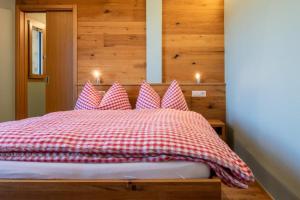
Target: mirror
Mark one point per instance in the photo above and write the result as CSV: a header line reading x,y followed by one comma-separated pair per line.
x,y
36,50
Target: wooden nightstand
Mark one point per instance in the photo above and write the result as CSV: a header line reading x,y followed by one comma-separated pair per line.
x,y
219,127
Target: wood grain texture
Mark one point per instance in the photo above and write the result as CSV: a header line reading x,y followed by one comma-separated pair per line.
x,y
111,189
193,40
21,68
75,50
254,192
115,189
111,38
211,107
59,90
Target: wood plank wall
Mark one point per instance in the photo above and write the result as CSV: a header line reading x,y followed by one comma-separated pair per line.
x,y
111,38
193,40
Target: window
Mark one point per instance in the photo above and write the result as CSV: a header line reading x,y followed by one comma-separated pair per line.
x,y
36,50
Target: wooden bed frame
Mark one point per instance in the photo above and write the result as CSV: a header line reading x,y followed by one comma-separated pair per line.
x,y
212,107
163,189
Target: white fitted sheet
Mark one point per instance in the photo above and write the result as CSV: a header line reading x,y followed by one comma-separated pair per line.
x,y
164,170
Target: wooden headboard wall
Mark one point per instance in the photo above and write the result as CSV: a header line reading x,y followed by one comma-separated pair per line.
x,y
193,40
112,38
212,107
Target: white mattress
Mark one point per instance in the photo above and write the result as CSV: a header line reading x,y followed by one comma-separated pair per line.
x,y
165,170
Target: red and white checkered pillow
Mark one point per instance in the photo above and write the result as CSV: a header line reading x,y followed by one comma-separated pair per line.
x,y
89,98
148,98
174,98
115,98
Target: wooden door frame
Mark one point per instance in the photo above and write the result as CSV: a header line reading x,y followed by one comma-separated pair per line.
x,y
21,70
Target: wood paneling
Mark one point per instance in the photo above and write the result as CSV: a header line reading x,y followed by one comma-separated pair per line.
x,y
212,107
111,38
193,189
193,40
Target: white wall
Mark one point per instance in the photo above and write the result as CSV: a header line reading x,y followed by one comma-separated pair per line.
x,y
154,41
36,98
7,91
263,89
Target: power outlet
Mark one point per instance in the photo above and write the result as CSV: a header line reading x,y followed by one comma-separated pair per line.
x,y
201,93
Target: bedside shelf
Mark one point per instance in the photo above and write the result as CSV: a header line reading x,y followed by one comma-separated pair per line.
x,y
219,127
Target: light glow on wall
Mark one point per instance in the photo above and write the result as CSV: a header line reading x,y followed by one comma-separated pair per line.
x,y
97,76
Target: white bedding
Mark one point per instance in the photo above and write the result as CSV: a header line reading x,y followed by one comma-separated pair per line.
x,y
164,170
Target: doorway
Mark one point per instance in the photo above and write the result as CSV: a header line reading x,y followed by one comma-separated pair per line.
x,y
35,45
46,59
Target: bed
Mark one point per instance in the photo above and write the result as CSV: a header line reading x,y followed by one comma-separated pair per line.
x,y
131,154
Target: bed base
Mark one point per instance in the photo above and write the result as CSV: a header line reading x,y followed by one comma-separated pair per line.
x,y
191,189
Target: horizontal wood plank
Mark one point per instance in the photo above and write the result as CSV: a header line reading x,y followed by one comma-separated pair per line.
x,y
112,39
211,107
191,28
186,62
111,189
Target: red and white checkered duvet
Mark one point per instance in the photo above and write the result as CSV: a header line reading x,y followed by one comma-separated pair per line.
x,y
122,136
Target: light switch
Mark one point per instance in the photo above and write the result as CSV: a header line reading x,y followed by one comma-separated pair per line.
x,y
200,93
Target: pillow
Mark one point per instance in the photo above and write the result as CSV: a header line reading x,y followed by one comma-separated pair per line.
x,y
174,98
89,98
115,98
148,98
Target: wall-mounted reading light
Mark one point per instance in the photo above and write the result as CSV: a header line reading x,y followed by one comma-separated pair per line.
x,y
198,78
97,76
